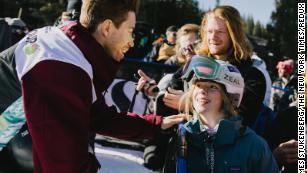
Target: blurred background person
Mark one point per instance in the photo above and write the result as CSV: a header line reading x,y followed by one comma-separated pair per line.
x,y
11,31
282,135
284,88
163,48
187,39
18,28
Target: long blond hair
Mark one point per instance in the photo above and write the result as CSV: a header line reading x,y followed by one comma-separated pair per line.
x,y
228,109
241,48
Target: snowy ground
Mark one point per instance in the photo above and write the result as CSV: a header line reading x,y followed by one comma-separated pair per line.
x,y
116,160
120,159
115,156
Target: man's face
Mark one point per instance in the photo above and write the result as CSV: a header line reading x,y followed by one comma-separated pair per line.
x,y
120,39
218,37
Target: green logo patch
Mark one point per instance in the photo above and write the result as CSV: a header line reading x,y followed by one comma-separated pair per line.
x,y
30,49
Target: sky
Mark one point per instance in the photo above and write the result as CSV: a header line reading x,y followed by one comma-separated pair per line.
x,y
260,9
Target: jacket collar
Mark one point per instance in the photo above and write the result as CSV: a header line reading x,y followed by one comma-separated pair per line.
x,y
103,65
226,134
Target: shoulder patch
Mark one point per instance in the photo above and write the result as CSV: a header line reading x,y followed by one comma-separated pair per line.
x,y
30,49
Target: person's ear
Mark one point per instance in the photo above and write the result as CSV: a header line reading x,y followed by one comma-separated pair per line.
x,y
105,27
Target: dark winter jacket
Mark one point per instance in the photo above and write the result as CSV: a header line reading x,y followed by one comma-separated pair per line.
x,y
283,129
232,149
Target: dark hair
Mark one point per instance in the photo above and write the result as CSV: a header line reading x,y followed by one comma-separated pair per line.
x,y
94,12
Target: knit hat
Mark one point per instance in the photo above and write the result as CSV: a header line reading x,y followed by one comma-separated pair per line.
x,y
287,65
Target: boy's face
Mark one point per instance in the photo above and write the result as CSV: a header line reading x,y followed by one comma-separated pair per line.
x,y
207,97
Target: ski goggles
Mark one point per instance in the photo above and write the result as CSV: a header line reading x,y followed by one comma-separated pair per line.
x,y
202,67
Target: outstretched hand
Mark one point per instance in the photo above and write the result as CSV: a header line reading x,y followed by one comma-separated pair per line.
x,y
146,84
286,152
169,121
172,98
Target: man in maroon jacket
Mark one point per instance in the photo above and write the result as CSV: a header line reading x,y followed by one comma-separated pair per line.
x,y
63,73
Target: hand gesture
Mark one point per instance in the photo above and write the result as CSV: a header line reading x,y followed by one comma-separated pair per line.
x,y
172,98
188,51
169,121
146,84
286,152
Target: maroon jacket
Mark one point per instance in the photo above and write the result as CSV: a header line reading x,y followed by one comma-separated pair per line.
x,y
60,113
